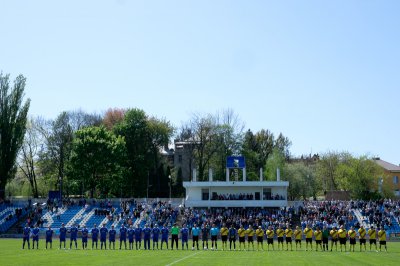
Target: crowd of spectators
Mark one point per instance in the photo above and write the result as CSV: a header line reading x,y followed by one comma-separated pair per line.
x,y
274,197
239,216
335,213
327,213
160,212
243,196
17,213
380,212
312,213
240,196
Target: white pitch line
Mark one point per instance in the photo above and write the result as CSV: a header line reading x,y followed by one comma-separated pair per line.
x,y
184,258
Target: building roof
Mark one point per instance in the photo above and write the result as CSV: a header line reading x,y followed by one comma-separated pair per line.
x,y
387,166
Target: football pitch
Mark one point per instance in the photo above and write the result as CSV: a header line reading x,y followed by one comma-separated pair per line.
x,y
12,254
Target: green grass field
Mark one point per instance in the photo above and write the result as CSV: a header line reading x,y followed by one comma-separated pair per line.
x,y
12,254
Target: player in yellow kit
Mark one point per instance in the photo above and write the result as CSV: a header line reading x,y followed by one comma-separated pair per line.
x,y
382,239
298,236
372,237
334,237
270,237
342,237
280,232
250,236
308,232
242,234
224,236
318,238
361,235
260,238
288,234
352,236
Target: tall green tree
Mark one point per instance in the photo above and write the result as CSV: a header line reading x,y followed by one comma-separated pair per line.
x,y
303,181
159,133
275,160
144,138
343,171
283,144
13,117
249,151
328,169
134,129
265,142
97,161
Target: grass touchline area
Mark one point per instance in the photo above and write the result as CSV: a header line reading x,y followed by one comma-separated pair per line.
x,y
12,254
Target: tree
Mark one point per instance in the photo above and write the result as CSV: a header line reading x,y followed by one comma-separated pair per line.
x,y
97,160
275,160
79,119
54,155
201,133
144,138
265,142
28,155
13,116
360,176
249,151
342,171
327,168
283,144
228,140
134,129
58,135
112,117
159,132
303,182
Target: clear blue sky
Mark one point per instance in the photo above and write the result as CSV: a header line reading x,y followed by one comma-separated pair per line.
x,y
324,73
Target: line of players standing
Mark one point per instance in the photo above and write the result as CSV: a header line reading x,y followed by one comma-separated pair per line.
x,y
135,236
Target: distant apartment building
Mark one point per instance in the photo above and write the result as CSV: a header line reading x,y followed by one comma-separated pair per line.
x,y
392,174
183,159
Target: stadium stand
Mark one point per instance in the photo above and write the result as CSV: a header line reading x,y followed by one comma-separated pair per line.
x,y
315,213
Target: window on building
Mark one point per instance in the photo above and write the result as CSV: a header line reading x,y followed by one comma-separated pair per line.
x,y
205,195
180,158
267,194
395,179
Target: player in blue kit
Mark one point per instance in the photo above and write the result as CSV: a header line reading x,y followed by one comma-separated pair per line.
x,y
185,236
146,237
85,235
195,236
138,237
49,237
103,236
74,235
95,235
214,235
164,235
26,235
232,237
122,235
131,236
111,237
63,234
35,237
156,234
